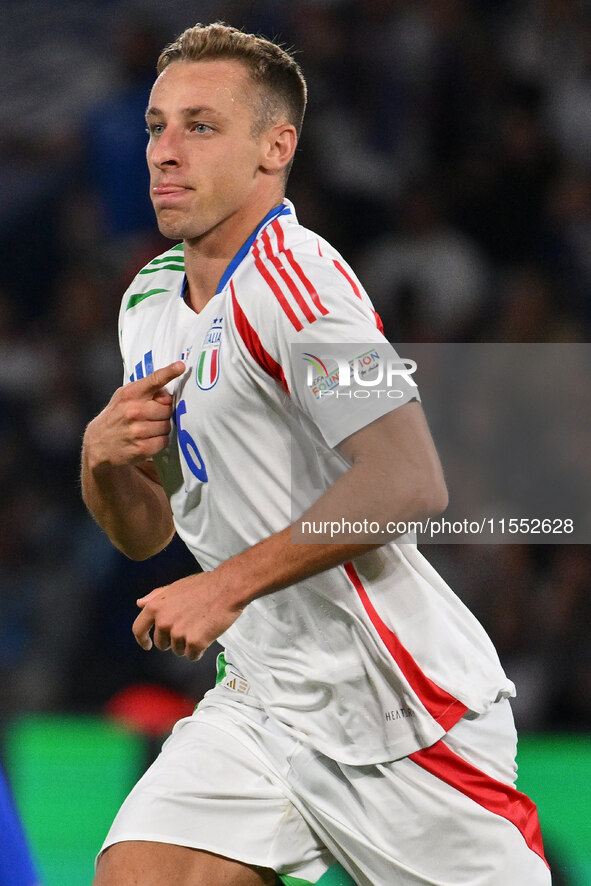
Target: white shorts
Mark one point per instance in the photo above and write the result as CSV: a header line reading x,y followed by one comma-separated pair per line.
x,y
231,781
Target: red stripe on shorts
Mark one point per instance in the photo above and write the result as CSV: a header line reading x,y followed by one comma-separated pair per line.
x,y
501,799
442,706
253,344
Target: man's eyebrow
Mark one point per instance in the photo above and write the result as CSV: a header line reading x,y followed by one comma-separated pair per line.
x,y
186,112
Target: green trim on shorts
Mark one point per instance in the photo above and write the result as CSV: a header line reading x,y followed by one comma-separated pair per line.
x,y
334,876
221,665
294,881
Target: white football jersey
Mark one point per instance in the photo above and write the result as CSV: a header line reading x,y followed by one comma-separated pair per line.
x,y
369,661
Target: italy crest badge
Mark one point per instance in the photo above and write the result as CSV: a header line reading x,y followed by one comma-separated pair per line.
x,y
208,362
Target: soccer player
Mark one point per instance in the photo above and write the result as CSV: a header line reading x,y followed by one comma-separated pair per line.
x,y
361,714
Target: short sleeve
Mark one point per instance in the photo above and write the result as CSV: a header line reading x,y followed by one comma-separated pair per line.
x,y
322,338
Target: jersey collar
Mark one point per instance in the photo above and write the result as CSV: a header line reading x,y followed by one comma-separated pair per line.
x,y
286,208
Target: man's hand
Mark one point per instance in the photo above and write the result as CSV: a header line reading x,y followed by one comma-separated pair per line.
x,y
119,485
187,615
135,424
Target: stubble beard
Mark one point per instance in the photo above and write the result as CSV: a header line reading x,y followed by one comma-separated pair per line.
x,y
176,229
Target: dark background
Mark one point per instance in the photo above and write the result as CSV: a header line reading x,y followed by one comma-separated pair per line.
x,y
446,153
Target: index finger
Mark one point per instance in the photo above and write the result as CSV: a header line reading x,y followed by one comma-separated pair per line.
x,y
156,380
141,629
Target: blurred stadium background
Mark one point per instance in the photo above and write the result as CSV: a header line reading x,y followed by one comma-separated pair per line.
x,y
447,153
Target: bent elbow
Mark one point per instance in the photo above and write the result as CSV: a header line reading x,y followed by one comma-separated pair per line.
x,y
137,553
138,550
433,497
440,500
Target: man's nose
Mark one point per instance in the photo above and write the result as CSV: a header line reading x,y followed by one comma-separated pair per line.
x,y
166,150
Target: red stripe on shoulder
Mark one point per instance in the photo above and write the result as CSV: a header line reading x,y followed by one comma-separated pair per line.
x,y
347,277
310,288
253,344
379,323
291,285
338,265
500,799
275,288
442,706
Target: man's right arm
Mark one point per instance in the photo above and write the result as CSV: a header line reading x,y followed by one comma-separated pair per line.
x,y
119,484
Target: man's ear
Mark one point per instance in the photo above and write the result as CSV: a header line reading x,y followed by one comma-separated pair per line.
x,y
278,148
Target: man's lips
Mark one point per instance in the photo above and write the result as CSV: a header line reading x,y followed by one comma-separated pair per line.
x,y
168,190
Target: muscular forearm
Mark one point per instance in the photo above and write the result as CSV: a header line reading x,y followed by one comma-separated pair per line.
x,y
131,508
191,613
370,492
278,562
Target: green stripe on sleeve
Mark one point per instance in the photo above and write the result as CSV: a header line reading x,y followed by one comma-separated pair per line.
x,y
177,259
179,267
137,297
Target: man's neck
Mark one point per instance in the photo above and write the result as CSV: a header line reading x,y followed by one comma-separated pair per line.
x,y
207,257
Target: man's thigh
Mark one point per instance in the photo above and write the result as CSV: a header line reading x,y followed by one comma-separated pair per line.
x,y
214,789
137,863
441,816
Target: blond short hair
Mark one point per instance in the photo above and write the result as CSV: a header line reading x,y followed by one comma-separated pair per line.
x,y
282,87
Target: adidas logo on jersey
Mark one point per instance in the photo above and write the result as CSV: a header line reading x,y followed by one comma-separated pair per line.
x,y
143,368
235,682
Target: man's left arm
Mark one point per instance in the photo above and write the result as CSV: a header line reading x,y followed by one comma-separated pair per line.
x,y
394,477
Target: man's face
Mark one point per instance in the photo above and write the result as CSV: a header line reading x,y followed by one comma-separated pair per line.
x,y
203,159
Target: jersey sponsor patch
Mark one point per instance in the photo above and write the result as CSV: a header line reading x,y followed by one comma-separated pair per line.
x,y
208,362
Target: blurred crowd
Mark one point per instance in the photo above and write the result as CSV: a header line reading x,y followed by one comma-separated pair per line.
x,y
446,153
